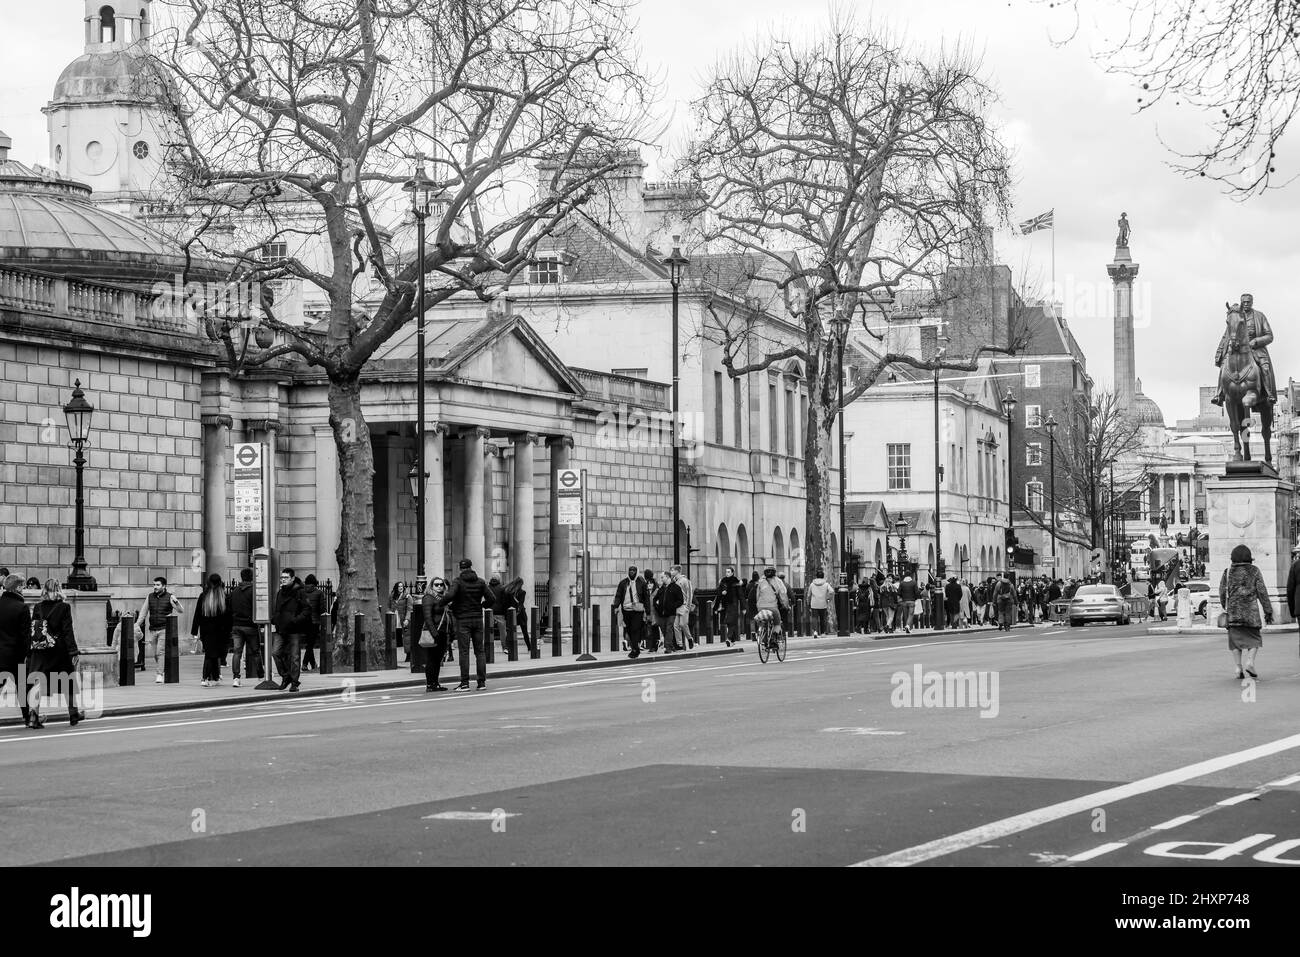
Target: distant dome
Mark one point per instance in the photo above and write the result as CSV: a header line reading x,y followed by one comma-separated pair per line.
x,y
112,76
1146,410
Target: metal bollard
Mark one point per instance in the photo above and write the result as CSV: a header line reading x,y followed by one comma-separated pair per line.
x,y
358,642
126,652
595,630
706,607
615,639
556,640
172,655
512,647
489,636
325,647
535,630
416,628
390,627
577,629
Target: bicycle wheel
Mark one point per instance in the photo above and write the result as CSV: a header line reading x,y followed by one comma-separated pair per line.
x,y
780,647
763,648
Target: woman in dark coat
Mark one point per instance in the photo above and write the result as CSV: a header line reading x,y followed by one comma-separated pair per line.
x,y
513,596
434,603
213,623
1241,592
53,652
952,602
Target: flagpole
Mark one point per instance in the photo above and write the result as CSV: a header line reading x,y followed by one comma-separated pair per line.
x,y
1053,258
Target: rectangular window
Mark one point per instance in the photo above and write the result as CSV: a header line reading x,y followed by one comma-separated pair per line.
x,y
1034,453
735,393
272,252
1034,496
544,271
789,422
717,409
1033,377
1033,416
899,459
772,433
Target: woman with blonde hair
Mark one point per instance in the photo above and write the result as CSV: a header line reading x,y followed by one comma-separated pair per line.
x,y
53,652
214,623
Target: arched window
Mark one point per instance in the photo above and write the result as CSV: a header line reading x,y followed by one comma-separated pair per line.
x,y
778,551
107,25
144,20
724,549
742,551
929,557
796,560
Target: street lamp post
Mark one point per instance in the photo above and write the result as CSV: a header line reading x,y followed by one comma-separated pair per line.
x,y
78,413
1009,405
1050,425
901,525
676,262
423,191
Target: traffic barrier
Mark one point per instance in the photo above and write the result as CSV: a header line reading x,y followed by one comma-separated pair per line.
x,y
172,659
1058,611
126,652
358,643
614,636
556,650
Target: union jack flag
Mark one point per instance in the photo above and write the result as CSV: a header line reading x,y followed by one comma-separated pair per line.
x,y
1041,221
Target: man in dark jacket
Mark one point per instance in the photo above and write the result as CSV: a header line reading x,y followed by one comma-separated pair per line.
x,y
291,618
668,599
244,628
467,598
313,597
15,639
729,599
632,598
1293,584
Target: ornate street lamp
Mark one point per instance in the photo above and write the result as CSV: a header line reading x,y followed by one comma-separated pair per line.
x,y
424,192
1009,406
902,526
676,262
78,413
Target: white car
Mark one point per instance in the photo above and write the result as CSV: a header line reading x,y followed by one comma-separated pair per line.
x,y
1200,597
1098,603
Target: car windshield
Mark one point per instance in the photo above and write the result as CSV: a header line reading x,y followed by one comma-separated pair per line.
x,y
1198,586
1096,590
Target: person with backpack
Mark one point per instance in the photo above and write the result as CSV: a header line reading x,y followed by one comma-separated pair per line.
x,y
53,652
213,623
772,596
467,597
1004,594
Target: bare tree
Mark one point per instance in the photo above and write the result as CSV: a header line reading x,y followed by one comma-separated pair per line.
x,y
326,104
1238,60
1095,440
841,169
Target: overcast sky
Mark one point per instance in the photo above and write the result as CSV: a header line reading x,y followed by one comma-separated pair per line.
x,y
1079,144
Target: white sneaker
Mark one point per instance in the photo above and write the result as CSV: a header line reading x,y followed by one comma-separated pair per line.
x,y
158,679
235,683
206,683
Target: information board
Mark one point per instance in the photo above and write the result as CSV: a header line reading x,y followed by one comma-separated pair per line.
x,y
568,490
249,484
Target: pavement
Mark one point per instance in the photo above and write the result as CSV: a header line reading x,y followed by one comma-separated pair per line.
x,y
148,697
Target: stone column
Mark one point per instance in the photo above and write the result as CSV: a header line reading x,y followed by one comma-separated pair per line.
x,y
329,504
523,524
216,545
435,534
475,534
562,574
1122,271
492,553
1175,518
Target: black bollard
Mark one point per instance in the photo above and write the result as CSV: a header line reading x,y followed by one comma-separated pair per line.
x,y
390,628
325,647
577,629
489,636
595,630
416,628
172,659
706,610
126,652
535,630
615,639
556,640
512,647
358,642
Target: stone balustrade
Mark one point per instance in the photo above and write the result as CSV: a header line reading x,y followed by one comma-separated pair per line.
x,y
33,292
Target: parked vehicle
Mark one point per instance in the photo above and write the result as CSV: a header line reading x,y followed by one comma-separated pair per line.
x,y
1099,603
1200,597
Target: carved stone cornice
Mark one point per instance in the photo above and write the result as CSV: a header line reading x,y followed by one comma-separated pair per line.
x,y
218,420
262,425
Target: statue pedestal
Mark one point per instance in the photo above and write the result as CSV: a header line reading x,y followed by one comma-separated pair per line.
x,y
1249,505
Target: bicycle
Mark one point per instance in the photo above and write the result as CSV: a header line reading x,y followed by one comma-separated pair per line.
x,y
766,643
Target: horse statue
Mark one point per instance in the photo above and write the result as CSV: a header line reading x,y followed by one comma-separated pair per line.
x,y
1241,382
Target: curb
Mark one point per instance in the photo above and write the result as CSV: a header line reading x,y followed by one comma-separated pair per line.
x,y
390,685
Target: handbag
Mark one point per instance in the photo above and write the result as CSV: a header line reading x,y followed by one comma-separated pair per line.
x,y
1222,620
426,637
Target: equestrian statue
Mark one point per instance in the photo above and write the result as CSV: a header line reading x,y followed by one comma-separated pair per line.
x,y
1246,380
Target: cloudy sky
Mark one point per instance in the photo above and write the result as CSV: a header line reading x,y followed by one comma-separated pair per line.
x,y
1080,147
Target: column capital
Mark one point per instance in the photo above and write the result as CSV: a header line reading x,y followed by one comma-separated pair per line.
x,y
437,428
527,438
262,425
218,420
560,441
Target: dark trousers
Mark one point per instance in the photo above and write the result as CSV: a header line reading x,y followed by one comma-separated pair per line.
x,y
213,651
730,623
433,658
9,674
285,652
819,619
633,629
309,649
470,631
245,639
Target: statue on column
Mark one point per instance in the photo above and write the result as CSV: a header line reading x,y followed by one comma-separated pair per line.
x,y
1121,241
1246,379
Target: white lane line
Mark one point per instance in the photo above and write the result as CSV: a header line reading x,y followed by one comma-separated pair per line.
x,y
1096,852
1284,782
1239,798
1175,822
1015,824
1061,632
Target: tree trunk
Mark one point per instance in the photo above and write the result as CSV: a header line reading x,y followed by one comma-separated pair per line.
x,y
356,552
818,430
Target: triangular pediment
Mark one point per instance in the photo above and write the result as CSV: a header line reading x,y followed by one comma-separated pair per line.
x,y
509,352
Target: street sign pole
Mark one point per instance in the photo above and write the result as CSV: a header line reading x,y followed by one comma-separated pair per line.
x,y
586,578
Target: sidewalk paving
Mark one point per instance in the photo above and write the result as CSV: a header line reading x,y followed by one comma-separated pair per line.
x,y
146,696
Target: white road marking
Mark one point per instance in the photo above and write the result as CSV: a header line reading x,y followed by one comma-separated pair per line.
x,y
1238,799
280,737
1061,632
1055,812
1174,822
467,816
861,731
1097,851
1284,782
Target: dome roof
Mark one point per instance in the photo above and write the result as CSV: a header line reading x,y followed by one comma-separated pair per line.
x,y
113,75
1146,410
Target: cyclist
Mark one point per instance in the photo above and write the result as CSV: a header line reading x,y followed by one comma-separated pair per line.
x,y
770,597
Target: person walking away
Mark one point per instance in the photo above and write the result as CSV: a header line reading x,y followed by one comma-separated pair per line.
x,y
1293,585
952,601
467,597
500,604
440,626
772,595
1005,596
53,652
291,619
729,599
819,591
683,621
314,596
632,598
906,603
15,638
243,629
967,599
158,606
1241,592
213,622
751,600
515,599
